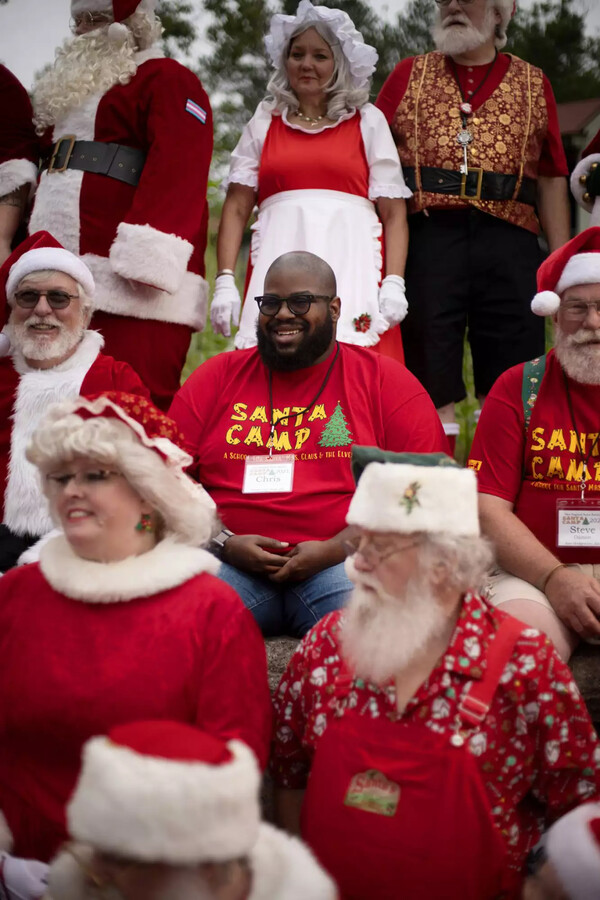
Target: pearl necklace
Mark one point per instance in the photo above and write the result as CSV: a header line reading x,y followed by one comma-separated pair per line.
x,y
312,120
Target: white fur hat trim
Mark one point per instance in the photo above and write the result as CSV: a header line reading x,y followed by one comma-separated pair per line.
x,y
583,268
545,303
575,853
160,810
56,258
405,498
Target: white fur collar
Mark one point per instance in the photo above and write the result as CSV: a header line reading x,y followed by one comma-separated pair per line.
x,y
166,566
283,868
154,52
87,350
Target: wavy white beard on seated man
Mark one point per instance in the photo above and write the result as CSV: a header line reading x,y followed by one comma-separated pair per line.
x,y
382,632
579,353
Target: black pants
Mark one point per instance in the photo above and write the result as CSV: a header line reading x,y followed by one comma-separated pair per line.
x,y
468,271
11,547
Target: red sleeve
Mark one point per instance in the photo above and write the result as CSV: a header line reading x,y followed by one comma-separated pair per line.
x,y
410,419
193,402
234,698
499,443
167,218
568,752
393,90
553,162
127,379
19,147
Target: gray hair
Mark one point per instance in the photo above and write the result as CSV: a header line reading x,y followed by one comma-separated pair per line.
x,y
343,97
62,438
468,558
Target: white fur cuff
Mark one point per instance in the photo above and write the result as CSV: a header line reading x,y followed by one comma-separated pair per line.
x,y
16,172
583,168
142,253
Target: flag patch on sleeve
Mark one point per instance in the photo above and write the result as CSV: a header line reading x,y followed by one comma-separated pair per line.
x,y
196,111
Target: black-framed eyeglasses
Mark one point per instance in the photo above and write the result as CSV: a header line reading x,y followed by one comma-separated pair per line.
x,y
448,2
30,298
298,304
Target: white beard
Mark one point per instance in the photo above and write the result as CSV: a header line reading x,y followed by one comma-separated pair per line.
x,y
40,347
383,633
579,354
85,65
454,40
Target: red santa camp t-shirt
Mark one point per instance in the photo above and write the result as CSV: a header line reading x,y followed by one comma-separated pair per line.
x,y
536,469
224,413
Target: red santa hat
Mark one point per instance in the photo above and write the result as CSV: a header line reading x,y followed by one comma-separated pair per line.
x,y
166,792
39,251
573,847
576,262
117,9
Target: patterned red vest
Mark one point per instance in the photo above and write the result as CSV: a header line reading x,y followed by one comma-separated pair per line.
x,y
508,129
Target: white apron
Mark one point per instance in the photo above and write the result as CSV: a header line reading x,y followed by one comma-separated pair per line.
x,y
341,228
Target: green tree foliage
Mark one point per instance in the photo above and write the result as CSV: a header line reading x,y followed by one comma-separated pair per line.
x,y
179,31
551,35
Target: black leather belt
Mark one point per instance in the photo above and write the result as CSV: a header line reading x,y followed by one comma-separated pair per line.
x,y
475,185
115,160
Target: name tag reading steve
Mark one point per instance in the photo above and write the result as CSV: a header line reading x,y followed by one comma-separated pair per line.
x,y
578,523
269,474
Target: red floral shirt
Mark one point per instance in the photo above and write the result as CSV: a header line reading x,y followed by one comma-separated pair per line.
x,y
537,751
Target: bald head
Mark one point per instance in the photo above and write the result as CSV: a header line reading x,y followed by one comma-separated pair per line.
x,y
303,263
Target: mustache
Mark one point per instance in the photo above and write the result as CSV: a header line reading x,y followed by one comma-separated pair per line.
x,y
456,19
585,336
43,320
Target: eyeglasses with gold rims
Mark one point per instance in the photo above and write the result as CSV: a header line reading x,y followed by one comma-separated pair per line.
x,y
448,2
92,479
88,21
578,310
298,304
373,554
29,299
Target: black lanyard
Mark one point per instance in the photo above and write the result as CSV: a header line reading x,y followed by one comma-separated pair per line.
x,y
586,459
467,100
300,412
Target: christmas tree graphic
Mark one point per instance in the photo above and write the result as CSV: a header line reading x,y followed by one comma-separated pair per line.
x,y
336,433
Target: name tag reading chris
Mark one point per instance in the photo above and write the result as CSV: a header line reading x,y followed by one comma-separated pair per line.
x,y
269,474
578,523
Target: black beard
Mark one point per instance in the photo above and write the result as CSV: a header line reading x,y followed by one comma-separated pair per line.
x,y
308,352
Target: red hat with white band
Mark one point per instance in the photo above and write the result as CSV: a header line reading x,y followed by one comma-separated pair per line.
x,y
117,9
167,792
37,252
573,847
576,262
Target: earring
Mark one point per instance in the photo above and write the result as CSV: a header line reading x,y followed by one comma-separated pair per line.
x,y
145,523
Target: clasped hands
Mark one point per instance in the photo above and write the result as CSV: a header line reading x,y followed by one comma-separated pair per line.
x,y
259,555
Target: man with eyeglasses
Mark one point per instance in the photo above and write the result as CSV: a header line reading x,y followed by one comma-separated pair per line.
x,y
479,142
423,740
46,299
537,455
129,136
272,443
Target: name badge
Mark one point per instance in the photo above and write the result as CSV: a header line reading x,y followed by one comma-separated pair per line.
x,y
269,474
372,792
578,523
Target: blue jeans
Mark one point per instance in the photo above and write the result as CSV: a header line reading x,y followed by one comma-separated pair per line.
x,y
291,608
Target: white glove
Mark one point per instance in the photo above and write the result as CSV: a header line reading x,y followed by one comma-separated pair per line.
x,y
23,879
226,304
392,299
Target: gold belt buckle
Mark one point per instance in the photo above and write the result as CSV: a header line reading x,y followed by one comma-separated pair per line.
x,y
67,137
463,183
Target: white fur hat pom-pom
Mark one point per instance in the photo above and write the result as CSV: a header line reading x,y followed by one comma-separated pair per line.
x,y
118,34
545,303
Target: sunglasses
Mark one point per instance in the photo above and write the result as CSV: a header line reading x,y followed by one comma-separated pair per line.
x,y
298,304
30,298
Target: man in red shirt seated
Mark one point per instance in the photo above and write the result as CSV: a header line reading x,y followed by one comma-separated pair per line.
x,y
479,142
425,737
536,452
271,429
46,297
